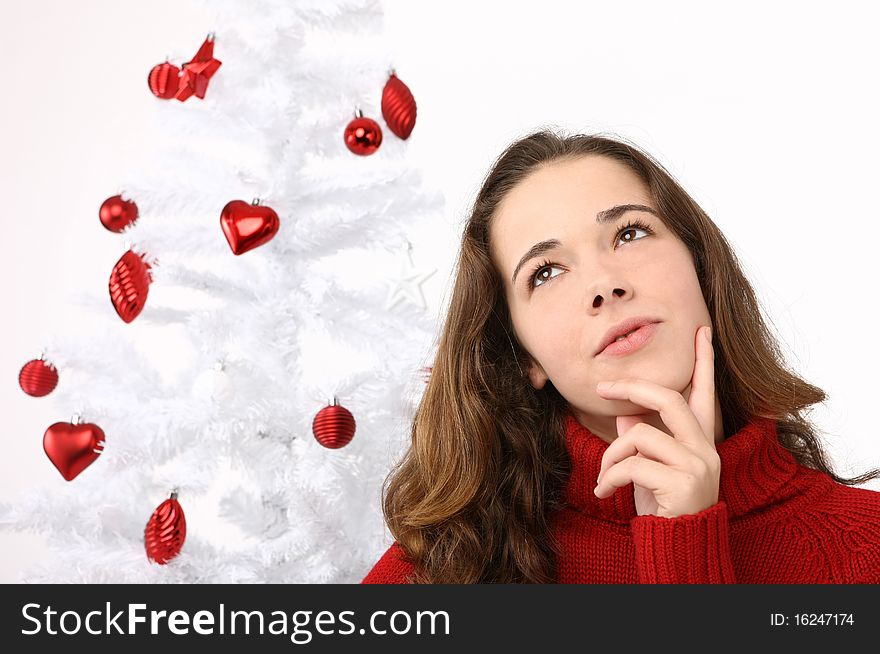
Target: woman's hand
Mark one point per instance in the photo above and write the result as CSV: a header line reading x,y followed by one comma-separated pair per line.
x,y
672,475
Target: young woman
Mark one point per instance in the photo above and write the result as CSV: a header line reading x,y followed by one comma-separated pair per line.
x,y
585,262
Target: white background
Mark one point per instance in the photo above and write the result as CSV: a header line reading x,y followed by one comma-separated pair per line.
x,y
766,112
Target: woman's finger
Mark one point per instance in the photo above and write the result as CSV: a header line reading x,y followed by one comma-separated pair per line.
x,y
701,399
650,442
671,405
637,470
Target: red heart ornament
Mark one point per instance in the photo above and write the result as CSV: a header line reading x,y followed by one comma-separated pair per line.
x,y
72,448
248,226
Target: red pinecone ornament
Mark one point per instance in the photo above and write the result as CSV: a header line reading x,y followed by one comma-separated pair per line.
x,y
116,214
129,285
164,80
38,378
73,447
398,107
334,426
165,531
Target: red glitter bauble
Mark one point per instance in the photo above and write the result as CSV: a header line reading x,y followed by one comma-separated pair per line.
x,y
165,531
334,426
363,136
38,378
398,107
116,214
73,447
164,80
129,285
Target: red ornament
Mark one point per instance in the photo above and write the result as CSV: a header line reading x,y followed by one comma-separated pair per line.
x,y
334,426
165,531
398,107
129,285
198,72
248,226
73,447
426,373
116,214
164,80
38,378
363,136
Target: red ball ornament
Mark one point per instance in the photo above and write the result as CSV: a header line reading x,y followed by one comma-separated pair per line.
x,y
165,531
363,136
72,447
38,378
247,226
164,80
116,214
334,426
129,285
398,107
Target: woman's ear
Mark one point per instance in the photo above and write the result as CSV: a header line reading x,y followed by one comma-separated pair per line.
x,y
537,376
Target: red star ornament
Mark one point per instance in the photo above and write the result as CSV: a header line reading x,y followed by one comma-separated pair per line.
x,y
197,73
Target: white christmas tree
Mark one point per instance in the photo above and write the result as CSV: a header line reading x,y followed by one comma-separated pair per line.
x,y
254,345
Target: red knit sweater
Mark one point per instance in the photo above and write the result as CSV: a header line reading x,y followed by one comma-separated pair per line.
x,y
776,522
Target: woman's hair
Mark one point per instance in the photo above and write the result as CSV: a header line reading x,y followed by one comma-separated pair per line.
x,y
470,502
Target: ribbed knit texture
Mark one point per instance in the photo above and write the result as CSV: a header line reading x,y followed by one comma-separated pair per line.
x,y
776,522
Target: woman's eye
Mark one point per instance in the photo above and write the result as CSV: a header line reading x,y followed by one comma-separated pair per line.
x,y
631,228
539,274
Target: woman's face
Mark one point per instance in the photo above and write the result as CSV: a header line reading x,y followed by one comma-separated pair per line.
x,y
599,276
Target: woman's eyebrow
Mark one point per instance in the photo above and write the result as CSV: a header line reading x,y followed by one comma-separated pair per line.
x,y
606,216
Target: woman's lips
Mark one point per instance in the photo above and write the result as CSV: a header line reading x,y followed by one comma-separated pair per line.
x,y
631,343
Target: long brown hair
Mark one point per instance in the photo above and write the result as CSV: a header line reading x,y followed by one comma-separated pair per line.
x,y
470,501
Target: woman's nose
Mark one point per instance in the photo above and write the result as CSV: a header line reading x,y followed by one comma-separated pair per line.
x,y
597,301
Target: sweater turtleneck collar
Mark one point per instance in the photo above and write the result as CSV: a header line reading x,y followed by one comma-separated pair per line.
x,y
754,471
